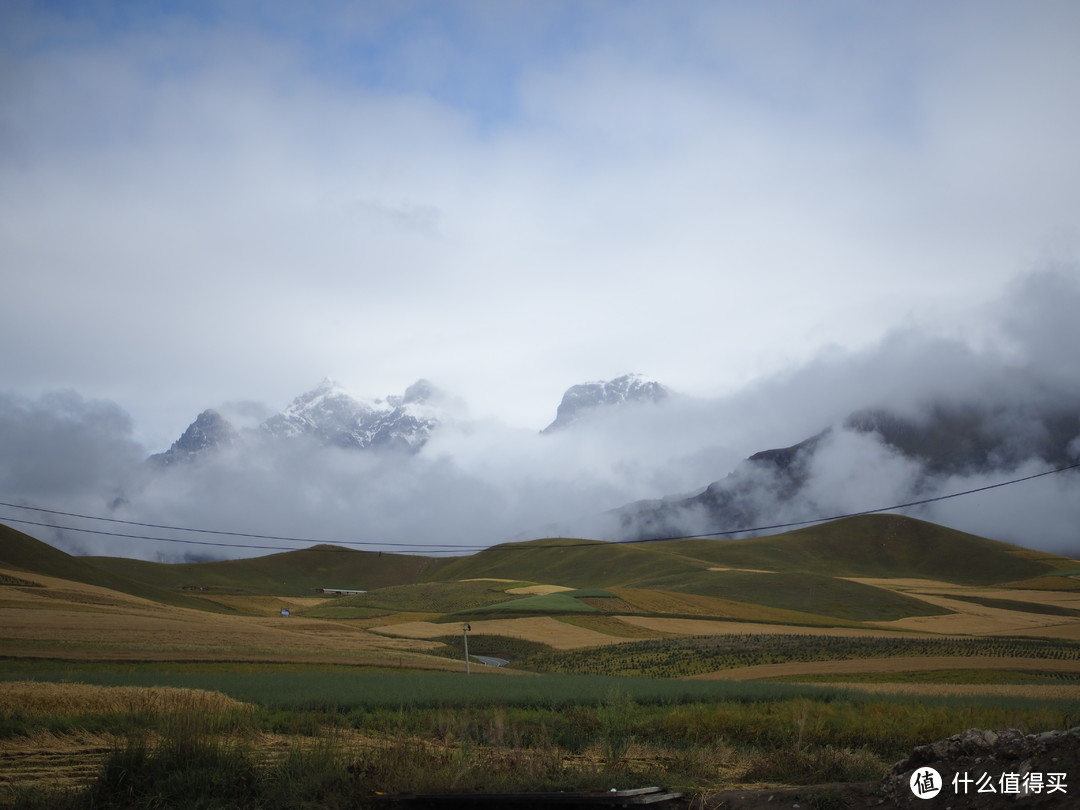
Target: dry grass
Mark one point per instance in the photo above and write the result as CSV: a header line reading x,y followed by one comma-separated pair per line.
x,y
538,590
748,570
969,618
267,605
58,761
189,631
65,619
37,698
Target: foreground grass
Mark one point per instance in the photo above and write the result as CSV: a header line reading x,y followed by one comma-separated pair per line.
x,y
335,737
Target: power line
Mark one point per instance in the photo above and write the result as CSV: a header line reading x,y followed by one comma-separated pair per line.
x,y
856,514
446,547
436,547
202,531
145,536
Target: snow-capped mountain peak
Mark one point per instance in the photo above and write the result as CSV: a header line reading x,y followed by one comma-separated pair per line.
x,y
209,430
333,416
586,397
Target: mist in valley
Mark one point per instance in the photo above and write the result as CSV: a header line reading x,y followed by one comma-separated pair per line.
x,y
478,481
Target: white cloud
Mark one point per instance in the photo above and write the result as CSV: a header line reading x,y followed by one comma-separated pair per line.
x,y
731,198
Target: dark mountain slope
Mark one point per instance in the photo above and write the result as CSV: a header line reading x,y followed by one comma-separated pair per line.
x,y
989,436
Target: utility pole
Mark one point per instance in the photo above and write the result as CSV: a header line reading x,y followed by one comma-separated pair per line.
x,y
465,628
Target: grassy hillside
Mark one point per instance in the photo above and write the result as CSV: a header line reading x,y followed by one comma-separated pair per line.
x,y
423,597
290,573
876,546
24,553
808,593
573,563
804,571
548,604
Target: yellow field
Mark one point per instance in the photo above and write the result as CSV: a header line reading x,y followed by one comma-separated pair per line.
x,y
538,590
267,605
33,697
67,619
970,618
74,759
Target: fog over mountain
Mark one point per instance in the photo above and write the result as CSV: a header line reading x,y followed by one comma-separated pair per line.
x,y
484,220
921,413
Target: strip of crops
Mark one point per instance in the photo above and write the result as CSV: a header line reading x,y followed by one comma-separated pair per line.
x,y
338,689
680,657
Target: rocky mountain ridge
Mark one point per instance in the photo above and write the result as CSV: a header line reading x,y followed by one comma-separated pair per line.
x,y
958,439
580,400
334,417
209,430
926,448
329,415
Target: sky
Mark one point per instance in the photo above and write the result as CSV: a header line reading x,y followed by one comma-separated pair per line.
x,y
220,204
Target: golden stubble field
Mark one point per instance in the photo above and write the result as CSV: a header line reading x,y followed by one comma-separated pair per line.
x,y
69,620
970,618
73,759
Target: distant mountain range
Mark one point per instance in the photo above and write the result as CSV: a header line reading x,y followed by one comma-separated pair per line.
x,y
591,397
334,417
958,439
943,439
331,416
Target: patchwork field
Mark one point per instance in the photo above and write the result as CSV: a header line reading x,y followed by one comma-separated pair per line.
x,y
623,662
53,618
591,596
546,630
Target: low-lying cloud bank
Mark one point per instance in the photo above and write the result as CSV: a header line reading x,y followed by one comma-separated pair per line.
x,y
476,483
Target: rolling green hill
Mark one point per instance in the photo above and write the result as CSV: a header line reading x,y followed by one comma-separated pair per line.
x,y
423,597
289,573
808,593
24,553
574,563
806,570
877,546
